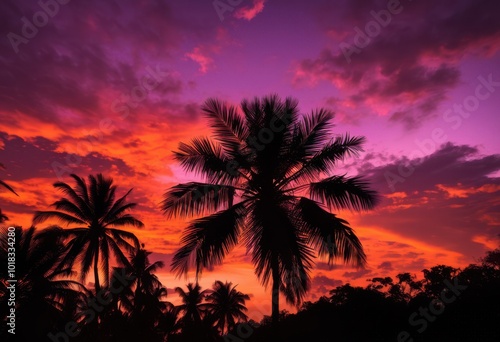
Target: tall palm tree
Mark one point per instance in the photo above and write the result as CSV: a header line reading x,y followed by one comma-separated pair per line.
x,y
227,305
93,208
44,294
148,306
268,183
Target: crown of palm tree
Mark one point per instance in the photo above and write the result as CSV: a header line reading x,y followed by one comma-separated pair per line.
x,y
193,305
227,305
94,208
268,184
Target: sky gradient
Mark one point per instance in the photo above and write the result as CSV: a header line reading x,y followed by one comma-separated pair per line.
x,y
114,86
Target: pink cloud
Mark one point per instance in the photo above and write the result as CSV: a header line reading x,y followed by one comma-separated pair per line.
x,y
250,12
200,56
416,79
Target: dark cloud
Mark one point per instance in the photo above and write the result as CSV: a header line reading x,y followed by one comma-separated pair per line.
x,y
324,284
326,267
386,266
88,55
446,198
42,156
357,274
395,66
447,164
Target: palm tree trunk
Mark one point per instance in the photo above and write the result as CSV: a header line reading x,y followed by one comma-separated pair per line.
x,y
275,307
97,290
96,272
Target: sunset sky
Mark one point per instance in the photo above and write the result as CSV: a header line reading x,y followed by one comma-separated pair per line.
x,y
114,86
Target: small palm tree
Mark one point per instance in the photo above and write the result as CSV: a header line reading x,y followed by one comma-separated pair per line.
x,y
44,294
168,323
268,184
227,305
193,306
148,306
146,281
94,209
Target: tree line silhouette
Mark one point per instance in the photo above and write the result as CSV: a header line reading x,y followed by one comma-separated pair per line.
x,y
268,184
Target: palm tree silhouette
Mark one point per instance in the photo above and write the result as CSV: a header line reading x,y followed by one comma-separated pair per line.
x,y
146,281
227,305
265,185
168,323
193,306
94,208
148,306
44,294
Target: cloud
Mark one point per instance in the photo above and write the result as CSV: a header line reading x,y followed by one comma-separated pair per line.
x,y
201,56
447,165
323,284
250,12
407,84
386,266
325,266
357,274
446,199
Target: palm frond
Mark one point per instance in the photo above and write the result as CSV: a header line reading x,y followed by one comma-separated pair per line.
x,y
330,235
75,194
8,187
341,192
41,216
120,235
324,160
118,207
228,126
71,208
207,240
312,132
206,158
193,198
124,220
